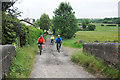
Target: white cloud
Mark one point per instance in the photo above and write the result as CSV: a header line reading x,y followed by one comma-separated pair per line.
x,y
82,8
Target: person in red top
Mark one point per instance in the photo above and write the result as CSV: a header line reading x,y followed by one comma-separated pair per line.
x,y
40,41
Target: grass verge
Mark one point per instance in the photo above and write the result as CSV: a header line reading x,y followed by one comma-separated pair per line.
x,y
94,65
72,44
22,63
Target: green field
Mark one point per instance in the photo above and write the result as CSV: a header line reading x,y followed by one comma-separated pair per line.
x,y
101,33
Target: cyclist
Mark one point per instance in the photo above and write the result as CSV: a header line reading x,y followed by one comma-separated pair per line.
x,y
40,41
58,41
52,38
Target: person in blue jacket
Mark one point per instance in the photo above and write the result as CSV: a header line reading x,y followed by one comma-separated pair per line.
x,y
58,41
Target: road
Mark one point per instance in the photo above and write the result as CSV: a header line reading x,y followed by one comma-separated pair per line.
x,y
52,64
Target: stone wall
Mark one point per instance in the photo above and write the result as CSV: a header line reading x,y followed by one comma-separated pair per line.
x,y
0,22
107,52
7,52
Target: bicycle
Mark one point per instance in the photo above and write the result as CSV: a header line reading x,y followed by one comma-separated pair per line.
x,y
58,46
40,48
52,41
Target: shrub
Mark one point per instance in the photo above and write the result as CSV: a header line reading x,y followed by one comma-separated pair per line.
x,y
102,24
111,25
91,27
29,35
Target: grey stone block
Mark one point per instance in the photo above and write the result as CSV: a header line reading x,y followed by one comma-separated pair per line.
x,y
113,58
87,47
7,52
111,48
0,61
111,52
95,45
119,53
98,53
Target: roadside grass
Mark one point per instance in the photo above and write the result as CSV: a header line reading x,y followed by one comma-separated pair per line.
x,y
94,65
22,64
72,43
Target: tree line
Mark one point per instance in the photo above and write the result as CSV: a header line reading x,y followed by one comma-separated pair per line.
x,y
114,20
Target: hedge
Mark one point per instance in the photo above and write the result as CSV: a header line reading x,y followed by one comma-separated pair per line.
x,y
29,35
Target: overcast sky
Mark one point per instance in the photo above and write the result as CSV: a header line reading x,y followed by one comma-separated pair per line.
x,y
82,8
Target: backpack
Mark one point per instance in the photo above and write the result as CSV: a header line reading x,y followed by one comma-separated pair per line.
x,y
40,40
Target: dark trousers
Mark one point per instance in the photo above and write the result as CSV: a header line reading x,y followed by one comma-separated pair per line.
x,y
51,40
41,45
58,45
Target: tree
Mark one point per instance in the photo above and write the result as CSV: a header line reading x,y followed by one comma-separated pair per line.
x,y
91,27
64,21
118,21
44,22
37,23
53,27
87,21
10,30
84,24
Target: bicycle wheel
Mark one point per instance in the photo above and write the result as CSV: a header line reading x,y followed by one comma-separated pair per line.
x,y
58,47
52,42
40,49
